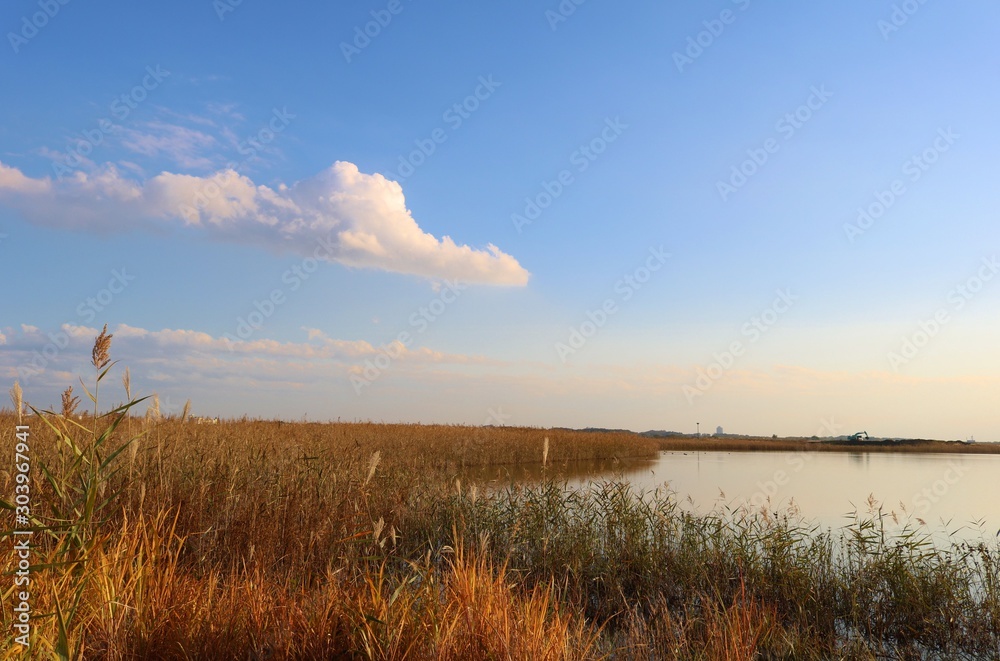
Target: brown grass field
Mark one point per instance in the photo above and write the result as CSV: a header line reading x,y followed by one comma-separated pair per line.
x,y
158,538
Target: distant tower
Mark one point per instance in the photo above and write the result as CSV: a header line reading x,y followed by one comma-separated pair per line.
x,y
718,430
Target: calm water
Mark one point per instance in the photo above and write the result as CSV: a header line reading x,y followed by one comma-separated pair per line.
x,y
948,492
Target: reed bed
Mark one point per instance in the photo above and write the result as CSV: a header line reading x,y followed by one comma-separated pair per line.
x,y
267,540
164,539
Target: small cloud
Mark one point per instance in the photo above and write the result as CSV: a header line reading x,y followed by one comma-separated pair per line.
x,y
180,144
71,158
185,117
226,110
314,333
134,168
207,79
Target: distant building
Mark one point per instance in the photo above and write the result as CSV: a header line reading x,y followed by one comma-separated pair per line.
x,y
718,430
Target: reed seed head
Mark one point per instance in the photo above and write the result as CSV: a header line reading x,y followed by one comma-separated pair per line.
x,y
372,465
153,412
17,397
69,403
100,356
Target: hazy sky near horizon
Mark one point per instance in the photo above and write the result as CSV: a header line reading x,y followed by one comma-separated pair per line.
x,y
774,218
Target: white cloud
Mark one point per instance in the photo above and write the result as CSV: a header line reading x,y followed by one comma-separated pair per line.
x,y
340,214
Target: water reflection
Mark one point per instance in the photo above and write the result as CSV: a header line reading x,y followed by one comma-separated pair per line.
x,y
576,472
859,458
942,492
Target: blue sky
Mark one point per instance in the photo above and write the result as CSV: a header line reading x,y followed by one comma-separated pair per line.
x,y
225,147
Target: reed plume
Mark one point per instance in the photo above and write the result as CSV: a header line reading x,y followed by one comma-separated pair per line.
x,y
16,396
153,412
100,355
127,384
372,465
69,403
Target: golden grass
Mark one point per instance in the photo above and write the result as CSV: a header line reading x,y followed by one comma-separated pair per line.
x,y
141,603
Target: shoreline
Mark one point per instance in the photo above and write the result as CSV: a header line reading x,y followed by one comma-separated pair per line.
x,y
751,444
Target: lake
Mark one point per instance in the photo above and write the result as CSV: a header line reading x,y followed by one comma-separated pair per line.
x,y
948,492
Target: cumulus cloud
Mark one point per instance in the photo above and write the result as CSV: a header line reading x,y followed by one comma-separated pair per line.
x,y
340,214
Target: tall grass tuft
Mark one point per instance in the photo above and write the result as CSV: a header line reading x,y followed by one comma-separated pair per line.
x,y
76,503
